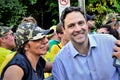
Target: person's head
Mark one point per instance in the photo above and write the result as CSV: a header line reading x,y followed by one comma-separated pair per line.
x,y
104,29
59,30
90,22
111,17
107,29
6,38
53,35
74,23
30,38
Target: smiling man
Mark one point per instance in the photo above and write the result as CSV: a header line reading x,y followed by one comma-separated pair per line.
x,y
85,57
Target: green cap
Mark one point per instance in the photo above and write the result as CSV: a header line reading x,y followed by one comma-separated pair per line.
x,y
4,30
28,31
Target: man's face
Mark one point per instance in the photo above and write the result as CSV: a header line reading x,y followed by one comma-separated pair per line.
x,y
76,27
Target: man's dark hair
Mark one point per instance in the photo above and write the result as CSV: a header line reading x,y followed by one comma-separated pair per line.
x,y
69,10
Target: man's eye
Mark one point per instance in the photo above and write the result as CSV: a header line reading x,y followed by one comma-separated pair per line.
x,y
70,26
81,23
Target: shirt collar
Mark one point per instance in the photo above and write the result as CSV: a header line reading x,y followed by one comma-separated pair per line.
x,y
92,41
74,52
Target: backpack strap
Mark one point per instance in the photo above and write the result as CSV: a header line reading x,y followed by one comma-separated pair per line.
x,y
58,46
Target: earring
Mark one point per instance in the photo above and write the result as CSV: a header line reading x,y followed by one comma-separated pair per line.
x,y
26,49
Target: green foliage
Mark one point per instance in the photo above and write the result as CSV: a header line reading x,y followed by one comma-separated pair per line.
x,y
102,7
117,6
33,1
53,8
11,11
54,21
91,1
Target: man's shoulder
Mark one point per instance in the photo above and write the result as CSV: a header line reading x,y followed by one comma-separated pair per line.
x,y
102,36
102,39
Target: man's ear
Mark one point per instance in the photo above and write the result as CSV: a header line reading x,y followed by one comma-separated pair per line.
x,y
2,40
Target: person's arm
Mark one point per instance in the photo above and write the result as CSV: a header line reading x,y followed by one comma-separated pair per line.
x,y
13,72
48,67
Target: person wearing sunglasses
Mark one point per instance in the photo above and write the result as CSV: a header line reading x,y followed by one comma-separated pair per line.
x,y
6,42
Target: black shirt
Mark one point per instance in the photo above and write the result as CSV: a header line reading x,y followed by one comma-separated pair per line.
x,y
29,72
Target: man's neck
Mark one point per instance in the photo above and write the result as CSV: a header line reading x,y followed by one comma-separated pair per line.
x,y
82,48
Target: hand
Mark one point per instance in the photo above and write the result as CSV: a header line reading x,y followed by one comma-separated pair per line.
x,y
117,49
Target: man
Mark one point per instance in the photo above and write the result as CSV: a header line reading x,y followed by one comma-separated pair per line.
x,y
63,38
53,38
6,42
85,57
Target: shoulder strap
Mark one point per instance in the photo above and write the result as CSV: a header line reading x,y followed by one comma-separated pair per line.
x,y
58,46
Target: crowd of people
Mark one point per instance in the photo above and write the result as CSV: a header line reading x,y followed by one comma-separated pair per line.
x,y
70,50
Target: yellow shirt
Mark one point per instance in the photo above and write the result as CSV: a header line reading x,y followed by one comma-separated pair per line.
x,y
54,50
7,59
5,56
3,53
51,55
